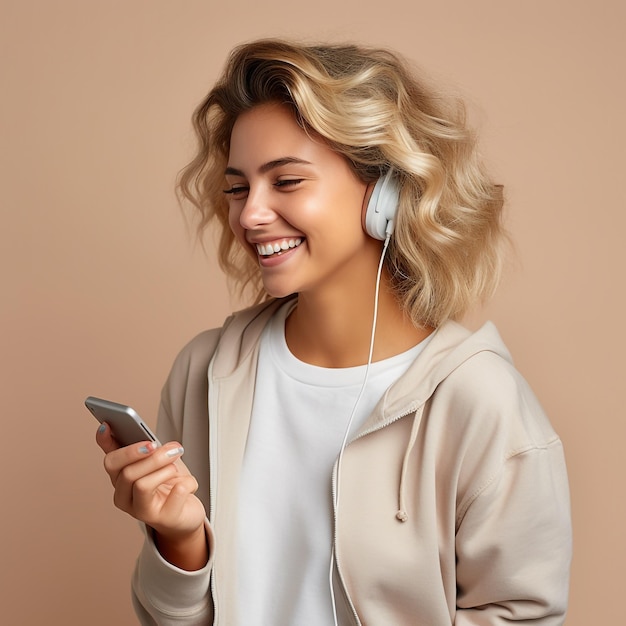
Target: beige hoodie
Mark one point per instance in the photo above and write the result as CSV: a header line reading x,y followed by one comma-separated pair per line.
x,y
454,497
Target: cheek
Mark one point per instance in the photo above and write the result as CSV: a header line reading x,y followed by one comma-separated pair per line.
x,y
346,216
348,202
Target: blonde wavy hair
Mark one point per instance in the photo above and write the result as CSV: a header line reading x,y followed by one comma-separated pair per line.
x,y
367,105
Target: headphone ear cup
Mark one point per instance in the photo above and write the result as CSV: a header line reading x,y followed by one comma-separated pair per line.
x,y
382,207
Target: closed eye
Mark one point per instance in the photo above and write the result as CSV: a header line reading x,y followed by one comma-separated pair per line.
x,y
239,191
288,182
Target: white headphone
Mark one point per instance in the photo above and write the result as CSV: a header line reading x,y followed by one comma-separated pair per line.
x,y
382,206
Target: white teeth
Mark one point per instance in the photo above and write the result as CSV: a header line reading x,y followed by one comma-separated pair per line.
x,y
277,247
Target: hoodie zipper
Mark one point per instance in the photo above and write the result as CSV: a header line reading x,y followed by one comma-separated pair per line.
x,y
342,583
212,406
386,423
374,429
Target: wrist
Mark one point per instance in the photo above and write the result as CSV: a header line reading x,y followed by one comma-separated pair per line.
x,y
188,551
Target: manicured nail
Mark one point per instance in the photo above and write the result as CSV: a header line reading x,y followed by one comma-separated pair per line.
x,y
175,452
102,428
147,448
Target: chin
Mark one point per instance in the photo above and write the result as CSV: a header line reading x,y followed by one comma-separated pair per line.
x,y
276,292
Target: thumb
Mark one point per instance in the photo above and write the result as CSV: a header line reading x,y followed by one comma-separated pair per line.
x,y
105,439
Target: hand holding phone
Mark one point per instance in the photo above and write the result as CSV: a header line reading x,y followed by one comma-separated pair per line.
x,y
152,484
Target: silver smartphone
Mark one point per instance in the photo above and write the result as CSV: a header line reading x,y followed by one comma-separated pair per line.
x,y
125,423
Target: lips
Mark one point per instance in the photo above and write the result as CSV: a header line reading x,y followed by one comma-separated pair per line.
x,y
277,247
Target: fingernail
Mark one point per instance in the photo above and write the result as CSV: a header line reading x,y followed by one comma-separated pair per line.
x,y
175,452
147,448
102,428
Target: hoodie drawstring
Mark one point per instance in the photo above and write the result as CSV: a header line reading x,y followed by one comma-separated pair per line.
x,y
402,515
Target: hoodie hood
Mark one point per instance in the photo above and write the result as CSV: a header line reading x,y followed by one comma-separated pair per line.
x,y
450,347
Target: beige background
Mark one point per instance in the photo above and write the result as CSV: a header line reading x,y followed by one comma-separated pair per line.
x,y
101,284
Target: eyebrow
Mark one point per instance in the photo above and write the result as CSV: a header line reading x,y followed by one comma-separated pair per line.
x,y
270,165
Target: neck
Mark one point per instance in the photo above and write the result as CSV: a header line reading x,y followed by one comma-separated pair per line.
x,y
334,330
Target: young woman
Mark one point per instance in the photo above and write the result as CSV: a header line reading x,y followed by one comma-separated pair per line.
x,y
352,454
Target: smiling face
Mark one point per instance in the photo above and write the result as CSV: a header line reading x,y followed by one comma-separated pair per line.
x,y
296,206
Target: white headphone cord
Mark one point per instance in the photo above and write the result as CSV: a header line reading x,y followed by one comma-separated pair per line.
x,y
354,408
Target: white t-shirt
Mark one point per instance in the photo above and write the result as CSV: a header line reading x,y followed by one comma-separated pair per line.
x,y
284,532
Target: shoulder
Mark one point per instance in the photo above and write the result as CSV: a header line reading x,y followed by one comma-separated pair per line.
x,y
193,359
488,398
491,430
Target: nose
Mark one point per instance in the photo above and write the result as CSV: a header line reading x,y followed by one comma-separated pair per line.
x,y
256,210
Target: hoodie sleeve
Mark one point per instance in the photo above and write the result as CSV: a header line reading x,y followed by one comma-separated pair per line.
x,y
162,594
165,595
514,543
